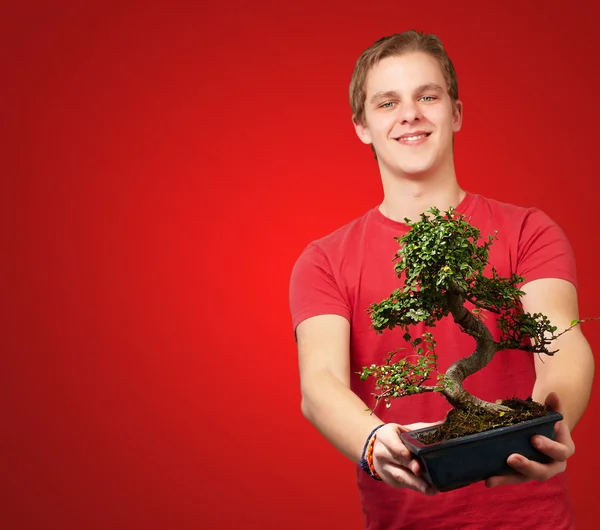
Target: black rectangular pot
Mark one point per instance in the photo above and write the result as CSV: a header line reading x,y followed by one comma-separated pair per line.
x,y
456,463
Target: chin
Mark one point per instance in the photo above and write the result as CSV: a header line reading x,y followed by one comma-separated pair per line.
x,y
413,170
415,167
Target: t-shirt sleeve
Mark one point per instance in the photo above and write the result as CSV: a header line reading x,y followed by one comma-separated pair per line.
x,y
544,250
314,289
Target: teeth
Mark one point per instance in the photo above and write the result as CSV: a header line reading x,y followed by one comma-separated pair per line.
x,y
413,138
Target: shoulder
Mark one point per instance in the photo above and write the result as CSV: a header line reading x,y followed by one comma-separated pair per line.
x,y
341,240
495,207
346,233
520,220
535,244
317,286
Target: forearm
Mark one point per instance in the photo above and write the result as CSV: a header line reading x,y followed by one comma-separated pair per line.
x,y
337,413
570,374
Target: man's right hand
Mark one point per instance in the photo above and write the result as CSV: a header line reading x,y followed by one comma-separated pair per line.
x,y
394,462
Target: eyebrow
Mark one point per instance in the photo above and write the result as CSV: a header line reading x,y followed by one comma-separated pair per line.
x,y
393,94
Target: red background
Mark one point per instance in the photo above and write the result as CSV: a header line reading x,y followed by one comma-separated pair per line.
x,y
165,165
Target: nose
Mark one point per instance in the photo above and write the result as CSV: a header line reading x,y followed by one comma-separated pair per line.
x,y
409,112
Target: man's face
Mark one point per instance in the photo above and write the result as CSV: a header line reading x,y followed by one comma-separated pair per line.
x,y
409,116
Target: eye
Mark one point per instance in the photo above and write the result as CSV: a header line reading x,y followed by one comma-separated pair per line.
x,y
387,105
428,98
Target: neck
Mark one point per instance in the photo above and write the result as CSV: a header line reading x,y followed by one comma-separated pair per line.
x,y
409,197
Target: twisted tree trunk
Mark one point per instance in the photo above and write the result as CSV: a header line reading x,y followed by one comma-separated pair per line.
x,y
484,352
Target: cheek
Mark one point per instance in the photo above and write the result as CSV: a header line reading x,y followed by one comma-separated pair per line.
x,y
385,124
441,117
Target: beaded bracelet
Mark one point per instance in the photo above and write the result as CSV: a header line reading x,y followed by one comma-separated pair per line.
x,y
370,458
366,460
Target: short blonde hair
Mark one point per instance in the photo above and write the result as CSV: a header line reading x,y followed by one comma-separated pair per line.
x,y
396,45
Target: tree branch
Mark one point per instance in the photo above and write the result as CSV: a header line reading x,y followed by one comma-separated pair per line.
x,y
481,305
484,352
387,393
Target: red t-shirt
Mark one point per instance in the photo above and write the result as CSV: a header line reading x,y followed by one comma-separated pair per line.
x,y
351,268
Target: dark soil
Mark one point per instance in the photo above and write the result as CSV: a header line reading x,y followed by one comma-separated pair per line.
x,y
464,422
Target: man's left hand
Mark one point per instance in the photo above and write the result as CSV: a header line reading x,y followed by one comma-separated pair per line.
x,y
559,450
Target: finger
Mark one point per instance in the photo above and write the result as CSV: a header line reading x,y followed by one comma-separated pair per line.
x,y
535,470
392,441
553,403
557,451
394,448
403,478
561,429
562,434
419,425
407,459
395,451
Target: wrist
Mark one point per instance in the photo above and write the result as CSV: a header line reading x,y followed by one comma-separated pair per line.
x,y
366,460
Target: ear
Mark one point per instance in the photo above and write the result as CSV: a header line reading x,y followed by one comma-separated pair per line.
x,y
458,116
362,132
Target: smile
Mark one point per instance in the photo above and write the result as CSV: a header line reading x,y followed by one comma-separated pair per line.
x,y
415,139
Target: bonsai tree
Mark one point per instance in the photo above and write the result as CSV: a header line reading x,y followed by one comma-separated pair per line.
x,y
444,260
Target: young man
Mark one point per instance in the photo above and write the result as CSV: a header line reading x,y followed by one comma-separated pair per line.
x,y
404,98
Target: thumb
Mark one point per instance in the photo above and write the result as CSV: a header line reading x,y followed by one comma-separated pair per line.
x,y
552,402
419,425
